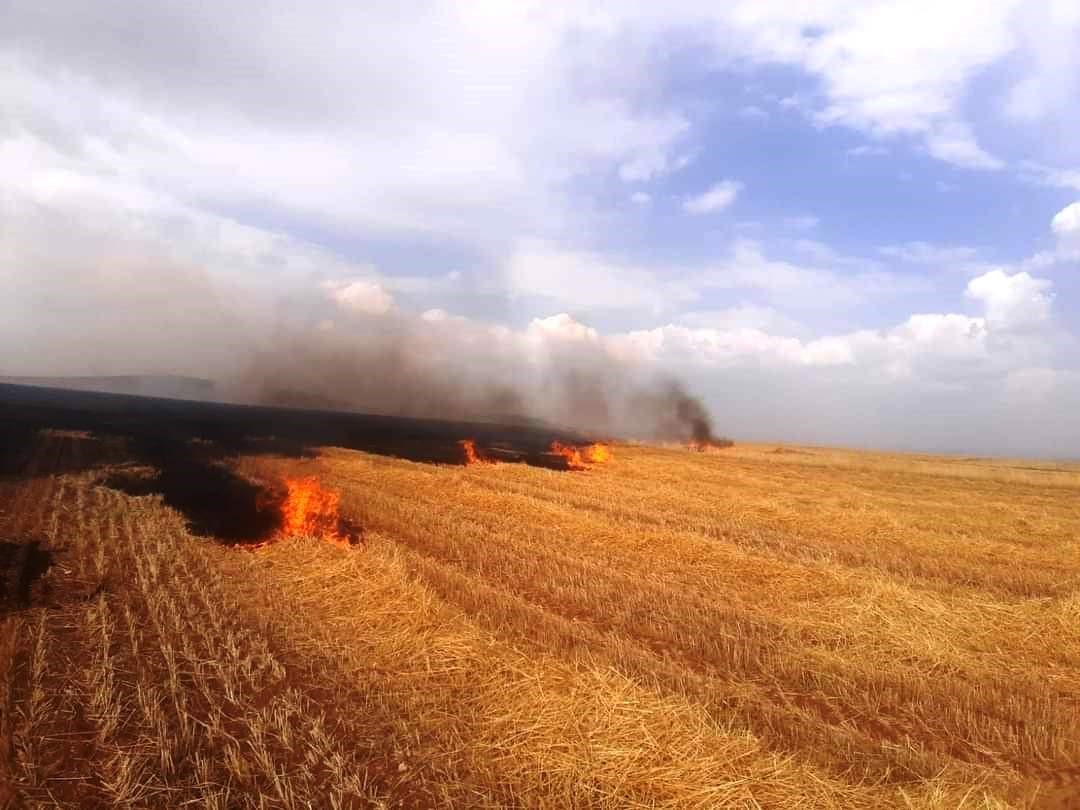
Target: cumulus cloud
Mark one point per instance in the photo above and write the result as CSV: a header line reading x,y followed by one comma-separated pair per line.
x,y
935,364
940,346
726,348
563,327
716,198
360,296
154,219
1016,301
1066,228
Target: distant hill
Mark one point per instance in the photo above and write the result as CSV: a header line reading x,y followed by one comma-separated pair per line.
x,y
171,386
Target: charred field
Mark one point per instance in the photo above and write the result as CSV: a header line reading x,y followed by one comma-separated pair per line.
x,y
229,606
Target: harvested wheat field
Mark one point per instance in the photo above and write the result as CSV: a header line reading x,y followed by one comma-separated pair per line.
x,y
749,627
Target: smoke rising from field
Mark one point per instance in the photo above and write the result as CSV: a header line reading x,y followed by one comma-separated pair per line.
x,y
457,369
156,295
677,414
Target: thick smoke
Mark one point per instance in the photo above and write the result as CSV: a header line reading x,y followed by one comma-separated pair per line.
x,y
110,299
677,414
161,289
455,369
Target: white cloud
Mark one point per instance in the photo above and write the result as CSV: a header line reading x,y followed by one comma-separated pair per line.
x,y
132,185
866,150
589,281
562,327
584,281
745,316
887,72
977,375
955,143
654,163
716,198
361,296
926,253
1048,89
946,350
941,335
833,282
1017,301
748,266
1066,228
460,150
1050,175
448,147
640,198
725,348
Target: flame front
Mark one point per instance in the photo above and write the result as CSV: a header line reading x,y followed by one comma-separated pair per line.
x,y
468,446
580,458
598,453
310,511
574,461
472,454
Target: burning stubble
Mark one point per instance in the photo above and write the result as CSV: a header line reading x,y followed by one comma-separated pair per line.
x,y
308,510
579,458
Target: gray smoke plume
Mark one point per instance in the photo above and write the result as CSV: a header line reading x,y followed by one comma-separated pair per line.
x,y
153,296
111,300
677,415
454,370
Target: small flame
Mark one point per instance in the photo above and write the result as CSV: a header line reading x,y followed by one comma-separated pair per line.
x,y
580,458
472,455
468,446
310,511
597,453
307,511
574,461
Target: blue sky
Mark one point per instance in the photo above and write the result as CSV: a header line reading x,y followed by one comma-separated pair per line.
x,y
868,198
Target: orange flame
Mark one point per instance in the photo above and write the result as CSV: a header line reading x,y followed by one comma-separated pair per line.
x,y
307,511
310,511
580,458
469,448
574,461
597,453
472,455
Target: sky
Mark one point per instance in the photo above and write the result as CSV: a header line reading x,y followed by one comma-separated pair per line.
x,y
851,223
